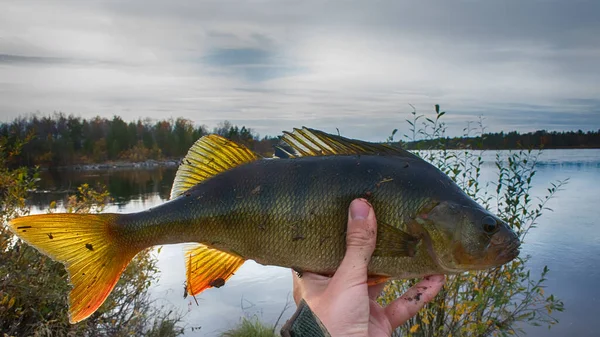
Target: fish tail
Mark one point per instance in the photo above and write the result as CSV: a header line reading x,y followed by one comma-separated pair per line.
x,y
88,246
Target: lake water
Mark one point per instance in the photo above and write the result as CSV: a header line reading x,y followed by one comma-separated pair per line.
x,y
567,240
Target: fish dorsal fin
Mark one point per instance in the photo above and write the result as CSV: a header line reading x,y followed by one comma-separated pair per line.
x,y
309,142
209,156
208,267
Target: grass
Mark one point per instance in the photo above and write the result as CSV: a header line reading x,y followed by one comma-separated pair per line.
x,y
251,328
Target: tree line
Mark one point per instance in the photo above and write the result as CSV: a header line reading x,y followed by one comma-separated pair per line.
x,y
61,140
514,140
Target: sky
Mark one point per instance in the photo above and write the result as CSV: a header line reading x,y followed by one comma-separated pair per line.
x,y
274,65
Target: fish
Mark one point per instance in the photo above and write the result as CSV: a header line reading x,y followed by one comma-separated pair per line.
x,y
231,205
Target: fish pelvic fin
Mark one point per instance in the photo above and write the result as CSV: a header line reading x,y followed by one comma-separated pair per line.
x,y
307,142
87,246
209,156
208,267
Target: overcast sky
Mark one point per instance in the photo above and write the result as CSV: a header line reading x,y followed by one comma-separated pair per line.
x,y
274,65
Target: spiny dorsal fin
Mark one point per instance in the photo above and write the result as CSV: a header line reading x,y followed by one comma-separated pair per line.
x,y
210,155
309,142
208,267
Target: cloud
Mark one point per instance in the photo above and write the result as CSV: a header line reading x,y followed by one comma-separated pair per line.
x,y
276,65
18,59
251,64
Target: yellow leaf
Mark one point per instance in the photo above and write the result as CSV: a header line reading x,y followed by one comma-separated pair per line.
x,y
414,328
11,303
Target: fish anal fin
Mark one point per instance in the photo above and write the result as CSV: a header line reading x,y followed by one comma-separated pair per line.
x,y
209,156
208,267
309,142
393,242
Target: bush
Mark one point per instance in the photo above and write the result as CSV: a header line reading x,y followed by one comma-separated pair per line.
x,y
492,302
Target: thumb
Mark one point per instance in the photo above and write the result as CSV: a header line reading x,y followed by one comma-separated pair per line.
x,y
361,237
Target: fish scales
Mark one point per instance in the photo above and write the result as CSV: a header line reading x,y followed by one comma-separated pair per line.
x,y
290,212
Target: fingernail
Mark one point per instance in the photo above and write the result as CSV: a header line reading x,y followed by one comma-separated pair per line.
x,y
359,209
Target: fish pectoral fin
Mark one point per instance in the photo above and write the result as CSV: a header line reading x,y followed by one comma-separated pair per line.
x,y
307,142
208,267
209,156
393,242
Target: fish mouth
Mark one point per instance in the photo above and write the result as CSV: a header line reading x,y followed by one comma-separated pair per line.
x,y
511,251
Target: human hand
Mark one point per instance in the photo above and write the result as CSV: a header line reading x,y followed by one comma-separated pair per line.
x,y
345,303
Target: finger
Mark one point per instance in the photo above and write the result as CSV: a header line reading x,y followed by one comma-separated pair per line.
x,y
360,243
375,291
405,307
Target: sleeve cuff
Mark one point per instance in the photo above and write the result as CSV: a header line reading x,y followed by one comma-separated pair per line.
x,y
304,323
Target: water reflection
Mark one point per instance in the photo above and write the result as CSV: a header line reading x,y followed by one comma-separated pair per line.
x,y
124,185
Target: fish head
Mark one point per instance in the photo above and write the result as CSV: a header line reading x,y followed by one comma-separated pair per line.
x,y
468,237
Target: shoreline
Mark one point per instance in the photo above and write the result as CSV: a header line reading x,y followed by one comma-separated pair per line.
x,y
148,164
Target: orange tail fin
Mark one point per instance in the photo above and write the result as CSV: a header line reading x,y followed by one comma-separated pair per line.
x,y
86,245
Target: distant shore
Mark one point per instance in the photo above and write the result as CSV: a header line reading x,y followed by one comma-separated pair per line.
x,y
149,164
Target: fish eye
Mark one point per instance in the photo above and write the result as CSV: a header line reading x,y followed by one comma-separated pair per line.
x,y
489,224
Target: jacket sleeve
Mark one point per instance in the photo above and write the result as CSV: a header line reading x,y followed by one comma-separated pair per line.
x,y
304,323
